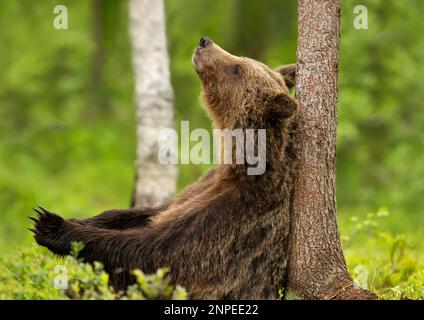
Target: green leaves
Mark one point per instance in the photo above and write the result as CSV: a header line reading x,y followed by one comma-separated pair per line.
x,y
155,286
34,273
387,263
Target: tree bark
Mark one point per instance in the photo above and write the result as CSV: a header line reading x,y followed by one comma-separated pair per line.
x,y
317,268
155,182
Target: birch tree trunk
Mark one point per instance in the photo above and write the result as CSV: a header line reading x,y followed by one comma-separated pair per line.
x,y
317,268
155,183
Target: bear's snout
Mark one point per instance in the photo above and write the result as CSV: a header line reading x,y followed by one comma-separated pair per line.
x,y
204,41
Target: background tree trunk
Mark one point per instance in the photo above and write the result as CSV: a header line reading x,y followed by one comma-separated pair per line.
x,y
97,76
317,268
155,183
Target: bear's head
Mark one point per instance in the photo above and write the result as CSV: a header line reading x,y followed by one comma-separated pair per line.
x,y
243,93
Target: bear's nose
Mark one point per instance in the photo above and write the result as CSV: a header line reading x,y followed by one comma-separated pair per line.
x,y
204,41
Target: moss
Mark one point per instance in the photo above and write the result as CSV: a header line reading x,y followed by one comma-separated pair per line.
x,y
290,295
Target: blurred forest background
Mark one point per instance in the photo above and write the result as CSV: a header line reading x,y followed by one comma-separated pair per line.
x,y
67,132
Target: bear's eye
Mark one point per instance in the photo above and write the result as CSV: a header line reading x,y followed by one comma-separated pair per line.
x,y
234,69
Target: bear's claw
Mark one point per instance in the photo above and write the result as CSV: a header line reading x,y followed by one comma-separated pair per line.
x,y
48,228
33,219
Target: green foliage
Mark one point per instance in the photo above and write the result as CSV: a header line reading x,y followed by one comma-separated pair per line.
x,y
381,121
33,273
392,269
56,144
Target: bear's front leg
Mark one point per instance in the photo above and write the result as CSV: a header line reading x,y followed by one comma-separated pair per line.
x,y
52,231
120,251
114,248
121,219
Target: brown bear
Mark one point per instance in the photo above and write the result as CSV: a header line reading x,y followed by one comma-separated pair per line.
x,y
225,236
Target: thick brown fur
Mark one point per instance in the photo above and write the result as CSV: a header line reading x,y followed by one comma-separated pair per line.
x,y
225,236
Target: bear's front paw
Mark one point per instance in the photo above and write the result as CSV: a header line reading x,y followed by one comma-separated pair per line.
x,y
50,231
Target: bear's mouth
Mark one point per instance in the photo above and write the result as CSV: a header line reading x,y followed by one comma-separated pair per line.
x,y
195,60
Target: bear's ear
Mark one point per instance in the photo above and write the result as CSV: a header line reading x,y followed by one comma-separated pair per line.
x,y
281,106
288,71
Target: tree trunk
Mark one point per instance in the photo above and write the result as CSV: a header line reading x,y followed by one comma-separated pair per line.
x,y
97,77
317,268
155,182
